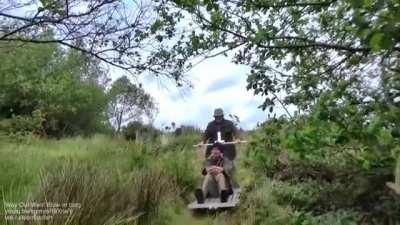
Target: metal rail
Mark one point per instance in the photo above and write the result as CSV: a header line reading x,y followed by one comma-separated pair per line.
x,y
222,143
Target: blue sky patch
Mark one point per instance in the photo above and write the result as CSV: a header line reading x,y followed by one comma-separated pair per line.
x,y
223,83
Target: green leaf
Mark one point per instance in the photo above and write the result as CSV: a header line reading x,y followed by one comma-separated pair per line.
x,y
156,26
375,43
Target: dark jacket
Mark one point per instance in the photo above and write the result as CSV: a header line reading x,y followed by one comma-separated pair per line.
x,y
228,131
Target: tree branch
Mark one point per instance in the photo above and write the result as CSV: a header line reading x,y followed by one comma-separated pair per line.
x,y
300,4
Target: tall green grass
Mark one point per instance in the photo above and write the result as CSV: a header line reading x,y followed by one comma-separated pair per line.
x,y
122,182
115,181
397,172
102,197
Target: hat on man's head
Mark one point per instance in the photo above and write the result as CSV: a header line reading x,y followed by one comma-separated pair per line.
x,y
218,112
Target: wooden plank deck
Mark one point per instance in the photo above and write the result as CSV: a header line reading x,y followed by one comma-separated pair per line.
x,y
394,187
215,203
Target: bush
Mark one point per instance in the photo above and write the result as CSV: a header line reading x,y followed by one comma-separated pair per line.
x,y
24,125
319,169
259,207
137,131
265,148
335,218
187,129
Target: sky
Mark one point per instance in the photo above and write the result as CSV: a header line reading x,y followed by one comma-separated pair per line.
x,y
217,83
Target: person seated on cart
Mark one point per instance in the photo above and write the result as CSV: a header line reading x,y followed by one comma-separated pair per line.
x,y
228,132
217,176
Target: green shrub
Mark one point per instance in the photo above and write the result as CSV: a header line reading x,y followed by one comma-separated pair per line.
x,y
138,131
23,125
319,169
264,148
335,218
187,129
259,207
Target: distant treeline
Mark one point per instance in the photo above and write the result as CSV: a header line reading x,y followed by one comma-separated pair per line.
x,y
50,92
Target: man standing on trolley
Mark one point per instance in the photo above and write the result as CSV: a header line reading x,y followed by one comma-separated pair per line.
x,y
220,136
221,130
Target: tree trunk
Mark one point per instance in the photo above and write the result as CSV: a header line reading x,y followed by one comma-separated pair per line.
x,y
119,121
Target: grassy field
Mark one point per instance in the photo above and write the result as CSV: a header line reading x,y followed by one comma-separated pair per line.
x,y
115,181
127,181
121,182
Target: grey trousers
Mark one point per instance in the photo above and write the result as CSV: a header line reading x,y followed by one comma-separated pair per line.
x,y
213,185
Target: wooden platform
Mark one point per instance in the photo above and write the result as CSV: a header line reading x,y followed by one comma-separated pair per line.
x,y
215,203
394,187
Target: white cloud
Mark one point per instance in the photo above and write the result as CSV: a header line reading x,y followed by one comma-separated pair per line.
x,y
195,106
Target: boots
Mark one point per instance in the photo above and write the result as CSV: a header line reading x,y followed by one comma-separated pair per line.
x,y
224,195
199,196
